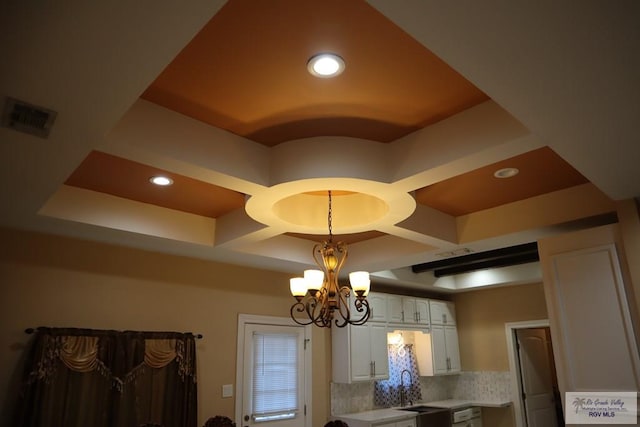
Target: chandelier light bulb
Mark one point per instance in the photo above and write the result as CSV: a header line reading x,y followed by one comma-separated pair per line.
x,y
298,287
313,278
360,282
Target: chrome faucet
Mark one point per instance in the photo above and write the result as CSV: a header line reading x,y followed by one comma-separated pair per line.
x,y
403,391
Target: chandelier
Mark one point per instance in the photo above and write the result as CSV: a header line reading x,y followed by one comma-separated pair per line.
x,y
318,293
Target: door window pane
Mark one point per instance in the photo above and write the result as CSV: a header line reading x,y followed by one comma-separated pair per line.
x,y
275,375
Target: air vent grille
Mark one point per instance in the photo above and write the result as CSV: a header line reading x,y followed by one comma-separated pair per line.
x,y
24,117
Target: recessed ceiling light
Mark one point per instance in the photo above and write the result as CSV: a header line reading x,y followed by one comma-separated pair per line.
x,y
325,65
506,173
161,180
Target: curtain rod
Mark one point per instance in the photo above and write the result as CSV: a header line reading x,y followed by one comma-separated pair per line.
x,y
33,330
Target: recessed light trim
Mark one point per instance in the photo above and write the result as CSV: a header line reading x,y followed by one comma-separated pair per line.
x,y
160,180
325,65
506,173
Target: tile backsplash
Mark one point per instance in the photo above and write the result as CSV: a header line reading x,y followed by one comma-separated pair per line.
x,y
483,385
477,385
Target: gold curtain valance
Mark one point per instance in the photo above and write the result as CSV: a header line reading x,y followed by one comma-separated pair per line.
x,y
79,353
88,353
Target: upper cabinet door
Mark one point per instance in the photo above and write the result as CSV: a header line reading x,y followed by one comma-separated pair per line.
x,y
442,312
453,350
439,350
379,351
409,314
360,356
378,304
394,305
422,311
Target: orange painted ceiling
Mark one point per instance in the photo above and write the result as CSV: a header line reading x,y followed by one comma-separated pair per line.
x,y
246,72
434,98
130,180
540,171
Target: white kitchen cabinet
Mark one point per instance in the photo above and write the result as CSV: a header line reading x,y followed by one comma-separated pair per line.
x,y
415,311
360,353
378,304
405,310
394,307
442,312
446,353
438,352
410,422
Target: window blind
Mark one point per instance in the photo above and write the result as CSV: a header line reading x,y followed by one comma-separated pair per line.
x,y
275,376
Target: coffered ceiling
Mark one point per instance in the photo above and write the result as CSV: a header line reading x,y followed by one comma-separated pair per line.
x,y
434,99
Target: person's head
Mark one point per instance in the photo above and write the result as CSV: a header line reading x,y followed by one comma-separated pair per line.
x,y
336,423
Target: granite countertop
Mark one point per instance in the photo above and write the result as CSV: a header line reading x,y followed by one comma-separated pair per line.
x,y
391,414
386,414
458,403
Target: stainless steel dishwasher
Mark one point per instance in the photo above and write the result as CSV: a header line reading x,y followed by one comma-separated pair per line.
x,y
429,416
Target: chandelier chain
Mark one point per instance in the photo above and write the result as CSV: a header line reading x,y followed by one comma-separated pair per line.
x,y
329,219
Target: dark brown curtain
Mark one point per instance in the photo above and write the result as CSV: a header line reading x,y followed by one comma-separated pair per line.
x,y
82,378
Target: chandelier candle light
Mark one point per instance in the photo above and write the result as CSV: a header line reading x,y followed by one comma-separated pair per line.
x,y
318,293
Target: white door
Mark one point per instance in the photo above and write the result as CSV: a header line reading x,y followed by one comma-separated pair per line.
x,y
273,376
537,377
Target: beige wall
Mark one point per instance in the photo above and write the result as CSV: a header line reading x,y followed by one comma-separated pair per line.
x,y
54,281
481,316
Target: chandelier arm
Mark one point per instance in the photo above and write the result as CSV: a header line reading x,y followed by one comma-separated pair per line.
x,y
321,314
362,305
316,253
342,301
299,307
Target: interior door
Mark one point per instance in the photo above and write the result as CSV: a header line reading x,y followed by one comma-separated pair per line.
x,y
273,389
537,377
